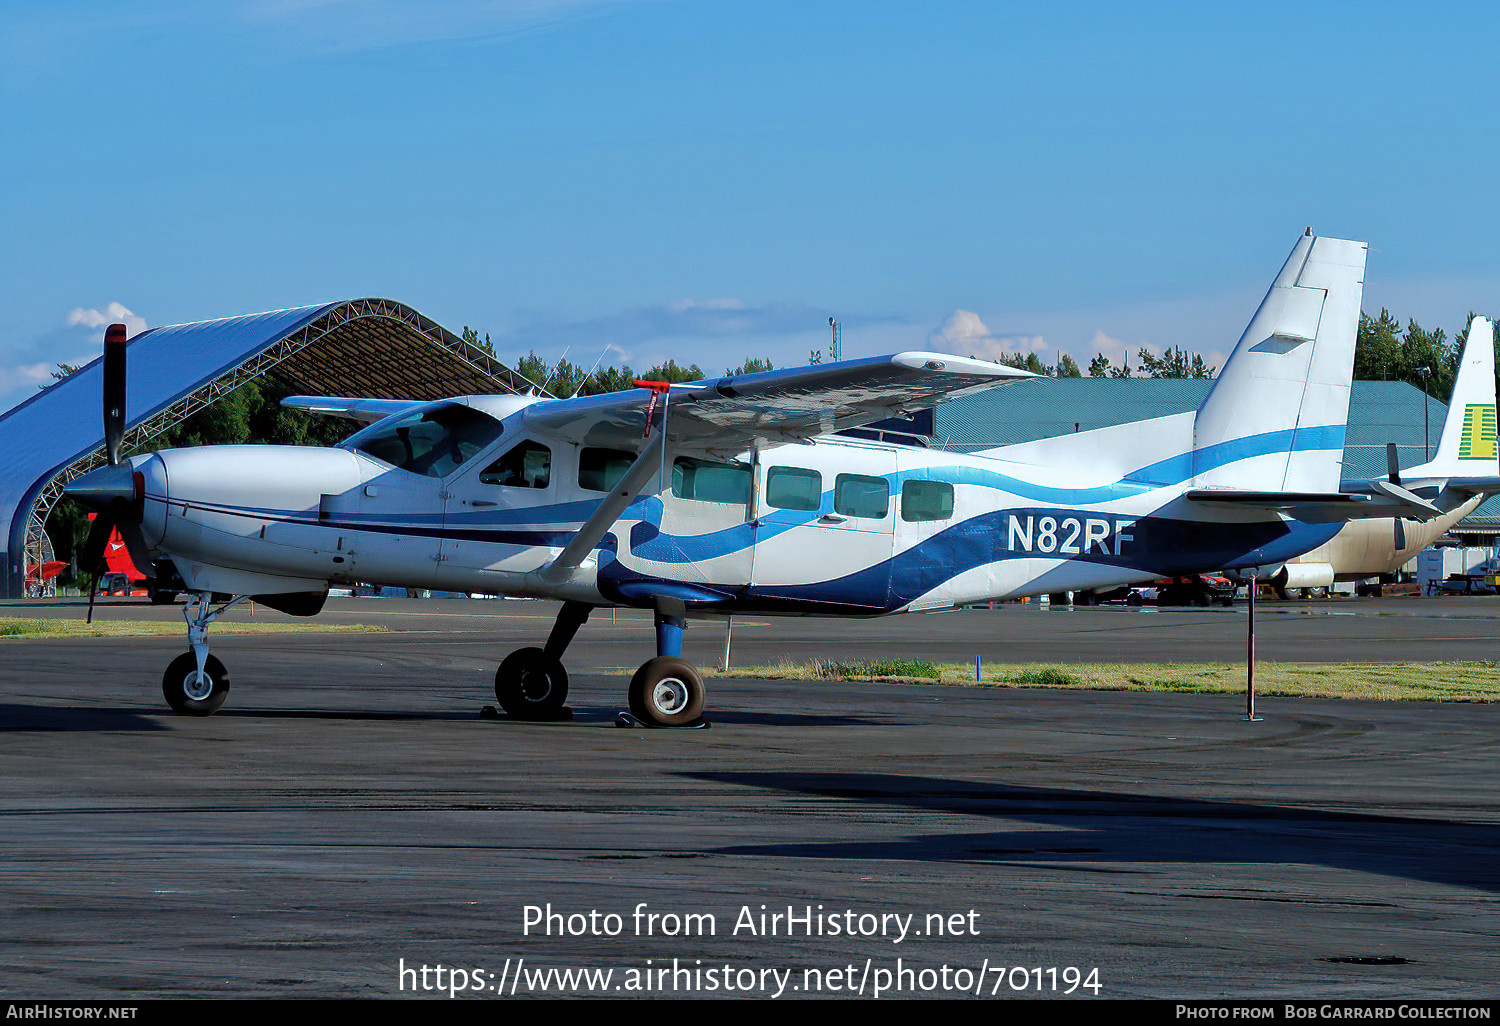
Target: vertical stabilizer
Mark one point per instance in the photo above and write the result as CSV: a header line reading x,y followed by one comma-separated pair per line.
x,y
1275,419
1467,447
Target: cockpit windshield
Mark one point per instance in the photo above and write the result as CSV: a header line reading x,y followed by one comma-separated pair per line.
x,y
433,441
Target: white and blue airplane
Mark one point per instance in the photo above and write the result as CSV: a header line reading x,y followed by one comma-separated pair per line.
x,y
733,496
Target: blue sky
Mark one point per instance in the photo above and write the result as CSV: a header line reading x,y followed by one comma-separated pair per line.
x,y
710,181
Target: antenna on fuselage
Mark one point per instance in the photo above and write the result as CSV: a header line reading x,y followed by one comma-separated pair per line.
x,y
595,367
553,372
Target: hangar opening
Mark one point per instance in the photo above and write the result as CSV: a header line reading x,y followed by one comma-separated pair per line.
x,y
375,348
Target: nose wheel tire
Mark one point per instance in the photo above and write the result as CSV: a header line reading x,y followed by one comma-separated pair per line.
x,y
190,694
531,686
667,692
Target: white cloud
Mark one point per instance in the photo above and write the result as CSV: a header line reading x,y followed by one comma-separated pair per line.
x,y
26,376
1107,344
114,313
965,334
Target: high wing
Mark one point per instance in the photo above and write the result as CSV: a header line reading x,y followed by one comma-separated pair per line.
x,y
730,415
366,411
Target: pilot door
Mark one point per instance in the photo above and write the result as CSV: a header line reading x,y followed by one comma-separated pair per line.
x,y
500,515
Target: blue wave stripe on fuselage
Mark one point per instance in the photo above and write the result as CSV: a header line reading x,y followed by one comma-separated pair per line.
x,y
1178,469
1162,546
648,542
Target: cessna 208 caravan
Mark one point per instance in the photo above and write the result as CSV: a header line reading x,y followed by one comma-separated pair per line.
x,y
732,496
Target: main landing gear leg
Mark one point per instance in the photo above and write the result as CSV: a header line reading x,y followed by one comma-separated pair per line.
x,y
531,683
196,683
666,691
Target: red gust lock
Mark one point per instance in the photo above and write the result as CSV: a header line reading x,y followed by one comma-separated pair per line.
x,y
658,388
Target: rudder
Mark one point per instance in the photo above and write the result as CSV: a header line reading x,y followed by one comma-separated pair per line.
x,y
1276,416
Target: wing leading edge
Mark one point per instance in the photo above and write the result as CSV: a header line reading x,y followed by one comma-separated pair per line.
x,y
730,414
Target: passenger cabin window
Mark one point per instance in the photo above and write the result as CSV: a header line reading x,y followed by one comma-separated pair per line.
x,y
794,488
599,470
432,441
855,495
527,464
926,500
707,481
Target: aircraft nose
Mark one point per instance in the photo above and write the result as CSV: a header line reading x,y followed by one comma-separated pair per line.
x,y
133,492
98,488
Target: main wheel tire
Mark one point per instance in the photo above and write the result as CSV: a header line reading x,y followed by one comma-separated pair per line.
x,y
187,694
531,686
1317,593
667,692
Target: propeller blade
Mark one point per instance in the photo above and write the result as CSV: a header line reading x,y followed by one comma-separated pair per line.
x,y
114,391
93,590
92,556
1392,467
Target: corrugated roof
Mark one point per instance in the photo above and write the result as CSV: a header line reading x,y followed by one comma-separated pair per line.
x,y
370,347
64,423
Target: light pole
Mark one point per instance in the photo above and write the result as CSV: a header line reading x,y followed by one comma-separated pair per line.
x,y
1424,372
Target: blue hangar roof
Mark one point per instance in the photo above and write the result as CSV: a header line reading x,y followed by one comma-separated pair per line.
x,y
367,347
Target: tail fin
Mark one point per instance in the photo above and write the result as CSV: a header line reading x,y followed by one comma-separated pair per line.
x,y
1468,446
1275,418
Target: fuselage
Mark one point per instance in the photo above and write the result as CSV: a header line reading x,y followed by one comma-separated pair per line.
x,y
1370,548
839,526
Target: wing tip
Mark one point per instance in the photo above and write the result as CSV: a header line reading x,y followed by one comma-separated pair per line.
x,y
947,363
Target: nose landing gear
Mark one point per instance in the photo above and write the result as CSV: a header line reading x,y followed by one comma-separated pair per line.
x,y
196,683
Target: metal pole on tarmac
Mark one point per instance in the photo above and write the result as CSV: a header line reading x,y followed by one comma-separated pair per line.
x,y
1250,660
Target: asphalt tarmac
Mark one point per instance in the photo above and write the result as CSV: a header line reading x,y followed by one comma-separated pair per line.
x,y
349,814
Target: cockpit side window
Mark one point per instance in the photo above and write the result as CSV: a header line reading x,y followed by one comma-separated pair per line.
x,y
434,441
526,464
599,470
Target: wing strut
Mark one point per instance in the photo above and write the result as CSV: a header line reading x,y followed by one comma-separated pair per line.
x,y
647,462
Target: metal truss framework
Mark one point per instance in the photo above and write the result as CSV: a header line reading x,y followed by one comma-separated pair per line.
x,y
475,364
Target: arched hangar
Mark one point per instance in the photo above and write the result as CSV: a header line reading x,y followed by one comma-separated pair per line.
x,y
367,347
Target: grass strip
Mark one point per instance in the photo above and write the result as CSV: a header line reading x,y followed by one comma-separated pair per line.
x,y
1389,682
25,628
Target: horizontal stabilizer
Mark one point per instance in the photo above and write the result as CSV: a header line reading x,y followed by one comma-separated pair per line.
x,y
1322,507
1270,500
1473,485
